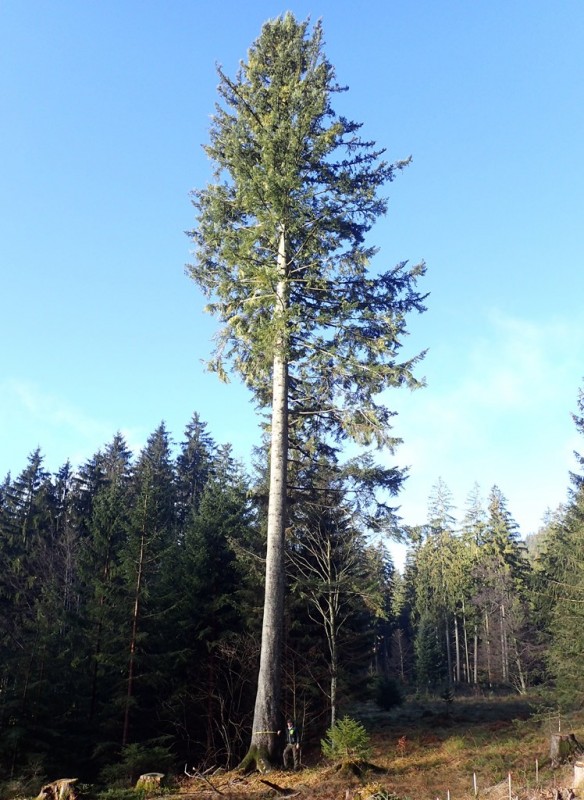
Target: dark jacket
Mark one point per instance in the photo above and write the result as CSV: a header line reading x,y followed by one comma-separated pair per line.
x,y
292,736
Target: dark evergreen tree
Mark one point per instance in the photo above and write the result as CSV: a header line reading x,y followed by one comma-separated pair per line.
x,y
26,528
398,655
212,618
501,571
146,560
431,667
103,506
194,467
435,597
560,587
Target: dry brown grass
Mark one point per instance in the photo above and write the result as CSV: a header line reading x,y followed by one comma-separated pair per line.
x,y
426,756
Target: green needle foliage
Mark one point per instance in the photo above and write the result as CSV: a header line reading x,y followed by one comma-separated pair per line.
x,y
280,249
289,171
347,742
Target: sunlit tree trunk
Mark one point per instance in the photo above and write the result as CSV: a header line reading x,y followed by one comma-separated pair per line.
x,y
134,635
475,678
504,647
488,646
457,649
448,649
520,673
466,653
266,713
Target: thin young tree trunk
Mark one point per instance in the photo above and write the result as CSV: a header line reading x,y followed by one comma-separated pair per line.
x,y
504,649
331,627
448,649
465,639
520,673
456,649
134,636
476,655
399,638
334,671
264,741
95,668
98,637
488,643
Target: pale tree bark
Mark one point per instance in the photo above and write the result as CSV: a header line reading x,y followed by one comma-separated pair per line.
x,y
465,638
448,648
328,575
456,649
134,634
333,623
397,640
522,683
504,649
264,741
334,680
488,646
475,670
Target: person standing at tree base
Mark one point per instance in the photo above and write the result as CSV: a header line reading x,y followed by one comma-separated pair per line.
x,y
292,749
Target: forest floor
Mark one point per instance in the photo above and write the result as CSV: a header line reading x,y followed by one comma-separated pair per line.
x,y
491,747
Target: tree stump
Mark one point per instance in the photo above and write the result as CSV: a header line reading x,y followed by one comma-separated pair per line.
x,y
150,781
62,789
563,747
578,773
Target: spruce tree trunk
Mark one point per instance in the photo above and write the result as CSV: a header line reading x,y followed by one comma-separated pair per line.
x,y
448,649
520,674
475,677
264,740
465,638
504,654
488,644
98,637
134,636
400,649
456,650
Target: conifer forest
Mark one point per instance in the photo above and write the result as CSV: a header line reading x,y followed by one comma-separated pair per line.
x,y
131,595
173,605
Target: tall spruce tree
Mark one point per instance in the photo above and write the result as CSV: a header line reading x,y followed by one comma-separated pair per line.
x,y
103,506
280,248
26,596
211,607
146,557
500,572
194,466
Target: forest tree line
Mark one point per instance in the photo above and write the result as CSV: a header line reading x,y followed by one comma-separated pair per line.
x,y
165,604
131,594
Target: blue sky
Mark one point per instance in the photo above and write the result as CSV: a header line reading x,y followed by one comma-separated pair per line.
x,y
104,106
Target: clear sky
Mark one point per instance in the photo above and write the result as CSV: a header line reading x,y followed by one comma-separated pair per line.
x,y
104,105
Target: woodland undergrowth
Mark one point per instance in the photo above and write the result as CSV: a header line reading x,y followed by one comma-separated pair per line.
x,y
424,750
432,750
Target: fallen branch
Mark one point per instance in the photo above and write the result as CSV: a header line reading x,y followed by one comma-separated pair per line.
x,y
281,790
202,776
